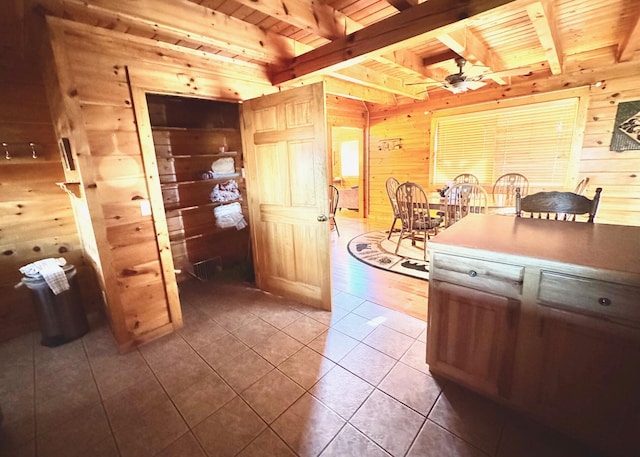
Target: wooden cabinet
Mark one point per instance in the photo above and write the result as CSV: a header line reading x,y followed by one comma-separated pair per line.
x,y
590,349
543,316
473,310
591,377
472,336
189,136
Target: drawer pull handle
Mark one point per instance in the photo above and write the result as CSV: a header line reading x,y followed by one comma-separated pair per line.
x,y
473,273
604,301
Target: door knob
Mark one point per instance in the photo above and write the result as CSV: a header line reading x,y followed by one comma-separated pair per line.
x,y
322,218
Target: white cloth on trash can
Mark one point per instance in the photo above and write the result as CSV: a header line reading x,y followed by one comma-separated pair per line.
x,y
51,271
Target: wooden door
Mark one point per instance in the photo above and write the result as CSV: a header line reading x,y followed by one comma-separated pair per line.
x,y
285,160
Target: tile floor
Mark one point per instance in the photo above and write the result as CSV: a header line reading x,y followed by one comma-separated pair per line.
x,y
252,375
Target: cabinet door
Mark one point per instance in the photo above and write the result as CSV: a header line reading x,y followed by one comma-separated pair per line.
x,y
471,337
591,380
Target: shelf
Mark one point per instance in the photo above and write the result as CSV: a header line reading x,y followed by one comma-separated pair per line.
x,y
72,188
210,154
193,129
213,232
198,181
180,209
182,239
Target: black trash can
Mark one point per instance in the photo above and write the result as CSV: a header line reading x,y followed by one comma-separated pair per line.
x,y
62,318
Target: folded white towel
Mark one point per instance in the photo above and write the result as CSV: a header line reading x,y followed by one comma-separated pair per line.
x,y
51,271
230,216
223,166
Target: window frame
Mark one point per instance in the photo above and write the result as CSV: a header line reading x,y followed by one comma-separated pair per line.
x,y
575,149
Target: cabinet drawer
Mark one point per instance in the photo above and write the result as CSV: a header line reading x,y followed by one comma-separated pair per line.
x,y
589,296
495,277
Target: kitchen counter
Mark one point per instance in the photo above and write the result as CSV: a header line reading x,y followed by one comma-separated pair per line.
x,y
543,316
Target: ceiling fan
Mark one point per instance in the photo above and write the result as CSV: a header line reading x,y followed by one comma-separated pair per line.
x,y
460,82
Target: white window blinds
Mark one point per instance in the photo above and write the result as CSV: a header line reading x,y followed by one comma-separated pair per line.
x,y
533,139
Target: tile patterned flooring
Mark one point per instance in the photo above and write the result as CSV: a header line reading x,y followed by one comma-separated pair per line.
x,y
252,375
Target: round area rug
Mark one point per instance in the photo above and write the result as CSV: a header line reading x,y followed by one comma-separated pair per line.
x,y
374,249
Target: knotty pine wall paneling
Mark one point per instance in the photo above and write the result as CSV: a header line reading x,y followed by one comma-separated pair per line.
x,y
102,70
409,162
618,173
36,216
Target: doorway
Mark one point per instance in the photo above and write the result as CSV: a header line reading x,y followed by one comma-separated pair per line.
x,y
347,169
198,151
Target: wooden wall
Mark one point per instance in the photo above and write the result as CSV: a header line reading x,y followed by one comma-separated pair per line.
x,y
409,162
36,217
618,173
100,76
91,104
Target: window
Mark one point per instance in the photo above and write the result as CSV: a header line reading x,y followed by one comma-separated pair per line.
x,y
349,158
534,139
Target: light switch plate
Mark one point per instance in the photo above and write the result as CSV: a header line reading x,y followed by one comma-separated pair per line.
x,y
145,207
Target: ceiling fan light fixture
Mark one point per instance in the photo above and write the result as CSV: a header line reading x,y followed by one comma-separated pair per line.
x,y
459,86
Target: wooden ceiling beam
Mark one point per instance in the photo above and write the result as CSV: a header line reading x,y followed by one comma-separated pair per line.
x,y
347,89
202,32
327,22
402,5
379,81
439,58
315,17
544,21
384,36
358,92
404,60
466,44
631,43
181,20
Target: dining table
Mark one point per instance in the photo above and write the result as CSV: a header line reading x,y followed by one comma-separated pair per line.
x,y
437,204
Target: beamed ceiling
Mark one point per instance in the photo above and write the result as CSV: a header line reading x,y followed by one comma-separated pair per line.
x,y
398,49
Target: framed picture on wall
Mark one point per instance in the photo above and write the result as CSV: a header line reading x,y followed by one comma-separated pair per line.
x,y
626,131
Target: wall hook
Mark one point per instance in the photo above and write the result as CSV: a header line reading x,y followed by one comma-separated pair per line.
x,y
34,154
6,151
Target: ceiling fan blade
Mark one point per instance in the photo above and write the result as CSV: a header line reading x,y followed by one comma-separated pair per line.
x,y
473,85
449,87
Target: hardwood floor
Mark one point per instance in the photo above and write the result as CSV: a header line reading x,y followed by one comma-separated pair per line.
x,y
391,290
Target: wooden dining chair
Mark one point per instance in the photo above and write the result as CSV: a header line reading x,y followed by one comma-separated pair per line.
x,y
463,199
561,206
417,223
504,189
334,197
466,178
392,186
581,187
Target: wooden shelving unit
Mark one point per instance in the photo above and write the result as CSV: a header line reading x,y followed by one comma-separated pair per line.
x,y
188,135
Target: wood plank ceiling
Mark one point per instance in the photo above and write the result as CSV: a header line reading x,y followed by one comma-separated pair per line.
x,y
397,49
